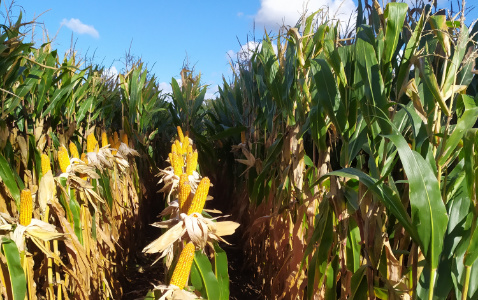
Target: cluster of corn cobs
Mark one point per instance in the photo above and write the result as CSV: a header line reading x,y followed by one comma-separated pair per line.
x,y
60,238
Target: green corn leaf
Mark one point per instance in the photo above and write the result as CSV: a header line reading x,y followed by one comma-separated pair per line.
x,y
395,14
17,276
428,211
221,271
8,178
466,121
204,279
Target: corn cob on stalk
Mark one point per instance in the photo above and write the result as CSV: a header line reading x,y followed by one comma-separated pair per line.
x,y
185,145
191,162
184,192
183,267
73,150
85,160
104,139
243,137
45,164
26,207
200,196
179,148
124,139
63,159
177,164
91,143
180,134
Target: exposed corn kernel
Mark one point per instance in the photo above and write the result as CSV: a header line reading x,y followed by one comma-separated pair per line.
x,y
63,159
116,141
183,266
180,134
26,207
45,164
184,195
200,196
91,143
104,139
177,164
185,145
124,139
179,148
191,162
73,150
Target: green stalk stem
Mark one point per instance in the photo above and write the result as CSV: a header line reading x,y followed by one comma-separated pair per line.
x,y
467,283
432,283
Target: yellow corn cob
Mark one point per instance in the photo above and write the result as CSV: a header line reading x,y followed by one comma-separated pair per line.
x,y
243,137
191,162
182,179
91,143
183,266
26,207
171,159
178,147
111,142
180,134
177,164
63,159
85,160
173,148
190,149
104,139
200,196
124,139
184,192
45,164
185,145
115,140
73,150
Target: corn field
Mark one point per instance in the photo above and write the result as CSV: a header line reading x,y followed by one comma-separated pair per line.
x,y
344,165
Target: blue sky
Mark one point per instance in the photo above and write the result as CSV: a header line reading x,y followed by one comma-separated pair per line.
x,y
164,33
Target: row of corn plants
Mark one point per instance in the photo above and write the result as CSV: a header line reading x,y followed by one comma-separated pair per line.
x,y
358,156
71,188
189,244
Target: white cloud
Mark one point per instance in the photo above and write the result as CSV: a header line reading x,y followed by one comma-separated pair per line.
x,y
274,13
240,14
212,92
111,72
77,26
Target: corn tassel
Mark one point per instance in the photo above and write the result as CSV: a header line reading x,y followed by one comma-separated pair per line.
x,y
45,164
180,134
73,150
200,196
91,143
183,266
104,139
63,159
26,207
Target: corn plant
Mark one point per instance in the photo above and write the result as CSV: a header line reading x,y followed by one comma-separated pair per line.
x,y
359,148
190,229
